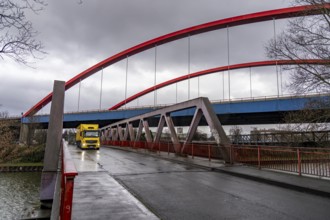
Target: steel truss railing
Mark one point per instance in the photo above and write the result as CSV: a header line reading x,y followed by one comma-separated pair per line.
x,y
124,130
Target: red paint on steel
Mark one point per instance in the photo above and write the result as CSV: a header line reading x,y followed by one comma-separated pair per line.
x,y
217,69
68,197
299,162
202,28
259,158
68,174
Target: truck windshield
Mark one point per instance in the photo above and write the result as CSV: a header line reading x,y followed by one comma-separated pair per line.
x,y
91,133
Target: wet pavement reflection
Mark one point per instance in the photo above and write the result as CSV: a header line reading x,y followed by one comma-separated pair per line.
x,y
180,191
98,195
85,160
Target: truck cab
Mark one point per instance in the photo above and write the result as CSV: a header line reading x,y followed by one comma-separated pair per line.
x,y
88,136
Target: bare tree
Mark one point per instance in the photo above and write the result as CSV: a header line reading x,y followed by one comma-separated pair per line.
x,y
7,138
307,37
17,35
314,117
235,133
200,136
4,115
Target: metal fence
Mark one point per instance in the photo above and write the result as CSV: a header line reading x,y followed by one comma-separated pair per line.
x,y
199,150
284,138
311,161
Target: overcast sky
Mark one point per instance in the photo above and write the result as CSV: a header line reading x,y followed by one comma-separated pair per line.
x,y
77,36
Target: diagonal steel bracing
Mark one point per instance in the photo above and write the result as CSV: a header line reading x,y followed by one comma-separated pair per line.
x,y
139,132
126,132
131,132
120,132
160,127
202,107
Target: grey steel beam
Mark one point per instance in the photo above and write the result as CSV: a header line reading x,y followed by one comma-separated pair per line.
x,y
147,131
173,108
174,137
108,134
203,107
126,132
216,130
120,132
160,127
131,132
140,129
193,127
114,132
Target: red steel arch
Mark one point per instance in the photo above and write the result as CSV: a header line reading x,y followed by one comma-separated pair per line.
x,y
214,25
218,69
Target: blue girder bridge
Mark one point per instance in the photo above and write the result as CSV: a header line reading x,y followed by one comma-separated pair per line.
x,y
233,112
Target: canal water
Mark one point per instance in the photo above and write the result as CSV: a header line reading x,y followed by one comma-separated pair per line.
x,y
18,191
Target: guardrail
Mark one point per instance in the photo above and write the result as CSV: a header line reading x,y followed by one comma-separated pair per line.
x,y
199,150
309,161
68,173
282,138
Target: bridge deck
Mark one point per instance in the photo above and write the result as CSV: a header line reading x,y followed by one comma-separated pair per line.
x,y
183,191
97,195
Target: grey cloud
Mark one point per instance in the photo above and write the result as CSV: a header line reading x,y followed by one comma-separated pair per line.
x,y
80,35
102,28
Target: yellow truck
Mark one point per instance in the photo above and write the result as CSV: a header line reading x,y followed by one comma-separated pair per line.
x,y
88,136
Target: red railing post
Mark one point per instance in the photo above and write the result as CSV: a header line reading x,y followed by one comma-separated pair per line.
x,y
299,162
259,158
168,148
209,148
192,150
62,183
68,197
68,174
231,154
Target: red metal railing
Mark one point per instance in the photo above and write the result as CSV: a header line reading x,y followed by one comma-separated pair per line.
x,y
68,173
311,161
210,151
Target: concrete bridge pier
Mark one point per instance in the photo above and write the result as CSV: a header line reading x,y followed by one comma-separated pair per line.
x,y
24,133
51,176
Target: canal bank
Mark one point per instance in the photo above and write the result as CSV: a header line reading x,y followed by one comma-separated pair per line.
x,y
21,168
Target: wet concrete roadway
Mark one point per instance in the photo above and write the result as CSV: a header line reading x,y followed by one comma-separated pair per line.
x,y
177,191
